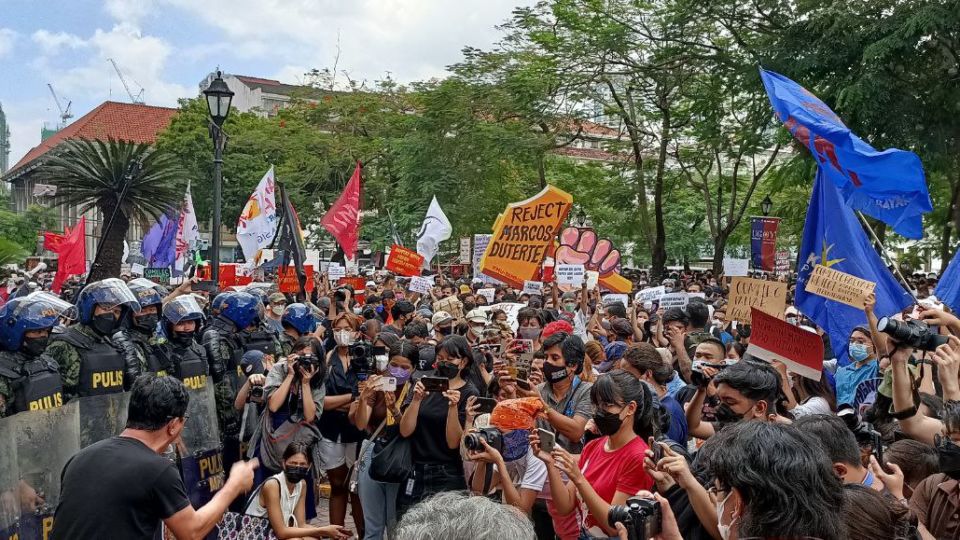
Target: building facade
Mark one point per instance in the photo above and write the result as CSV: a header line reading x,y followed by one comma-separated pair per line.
x,y
264,97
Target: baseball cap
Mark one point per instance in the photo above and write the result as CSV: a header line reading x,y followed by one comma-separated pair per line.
x,y
277,297
465,289
477,315
442,317
252,362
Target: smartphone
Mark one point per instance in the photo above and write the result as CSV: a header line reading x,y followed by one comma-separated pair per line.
x,y
486,405
547,440
520,346
657,452
387,384
435,384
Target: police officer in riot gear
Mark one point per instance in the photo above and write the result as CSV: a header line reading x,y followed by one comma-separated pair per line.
x,y
263,337
90,362
298,320
187,359
138,339
30,379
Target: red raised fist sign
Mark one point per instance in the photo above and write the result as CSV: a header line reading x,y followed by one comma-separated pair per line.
x,y
581,246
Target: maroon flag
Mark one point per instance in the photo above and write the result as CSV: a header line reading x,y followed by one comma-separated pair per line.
x,y
342,220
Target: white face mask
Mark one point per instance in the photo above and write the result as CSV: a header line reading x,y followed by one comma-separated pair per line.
x,y
724,529
344,338
381,362
277,310
477,330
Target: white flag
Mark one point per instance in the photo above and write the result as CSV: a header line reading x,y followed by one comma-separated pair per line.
x,y
258,221
188,233
435,229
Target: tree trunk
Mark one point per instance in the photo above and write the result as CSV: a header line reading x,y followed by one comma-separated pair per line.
x,y
945,253
659,248
109,246
719,249
542,173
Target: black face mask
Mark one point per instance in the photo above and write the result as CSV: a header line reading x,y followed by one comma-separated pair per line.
x,y
554,374
444,330
35,346
726,415
296,474
948,454
104,324
447,371
182,338
607,423
146,323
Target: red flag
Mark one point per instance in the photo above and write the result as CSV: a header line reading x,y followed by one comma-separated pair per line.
x,y
71,247
342,220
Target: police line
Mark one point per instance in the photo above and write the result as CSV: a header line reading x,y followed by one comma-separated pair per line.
x,y
35,446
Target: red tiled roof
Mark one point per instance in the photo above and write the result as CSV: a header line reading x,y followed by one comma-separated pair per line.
x,y
122,121
596,154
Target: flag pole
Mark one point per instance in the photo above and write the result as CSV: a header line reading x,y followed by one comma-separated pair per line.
x,y
886,254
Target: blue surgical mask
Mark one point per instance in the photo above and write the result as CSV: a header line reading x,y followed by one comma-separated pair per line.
x,y
858,352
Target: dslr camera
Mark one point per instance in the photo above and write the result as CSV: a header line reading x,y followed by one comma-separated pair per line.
x,y
307,361
864,432
641,518
256,393
911,333
698,378
363,358
473,441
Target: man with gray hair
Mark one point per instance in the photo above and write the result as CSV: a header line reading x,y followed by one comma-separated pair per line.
x,y
457,516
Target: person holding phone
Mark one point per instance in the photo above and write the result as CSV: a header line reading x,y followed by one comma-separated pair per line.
x,y
434,422
378,412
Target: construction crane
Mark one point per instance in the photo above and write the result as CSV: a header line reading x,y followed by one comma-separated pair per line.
x,y
65,113
133,98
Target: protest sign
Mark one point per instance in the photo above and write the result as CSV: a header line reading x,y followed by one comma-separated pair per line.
x,y
581,245
650,294
772,339
287,279
487,293
569,274
736,267
157,275
421,284
745,293
677,299
522,235
593,277
465,254
836,285
404,262
697,295
510,308
336,271
480,243
783,263
451,305
228,275
137,269
532,287
614,298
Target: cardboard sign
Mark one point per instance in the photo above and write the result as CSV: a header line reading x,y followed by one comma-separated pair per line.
x,y
569,274
593,278
160,275
736,267
522,235
487,293
614,298
650,294
336,272
287,279
768,296
421,284
451,305
677,299
697,295
839,286
532,287
773,339
137,269
465,252
404,262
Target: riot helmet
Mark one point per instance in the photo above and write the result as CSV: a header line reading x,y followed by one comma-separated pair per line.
x,y
299,317
108,294
181,309
242,309
35,311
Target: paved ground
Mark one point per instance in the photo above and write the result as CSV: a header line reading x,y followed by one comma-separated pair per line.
x,y
323,516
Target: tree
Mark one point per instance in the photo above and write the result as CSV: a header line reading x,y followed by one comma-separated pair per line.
x,y
124,181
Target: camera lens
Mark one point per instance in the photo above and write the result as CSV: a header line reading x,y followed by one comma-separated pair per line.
x,y
472,442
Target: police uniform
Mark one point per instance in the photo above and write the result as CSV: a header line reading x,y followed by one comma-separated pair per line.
x,y
186,362
224,347
138,348
28,383
90,364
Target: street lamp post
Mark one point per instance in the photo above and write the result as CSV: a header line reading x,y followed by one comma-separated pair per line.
x,y
218,96
766,205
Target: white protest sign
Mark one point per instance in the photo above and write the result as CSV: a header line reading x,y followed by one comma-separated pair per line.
x,y
336,271
487,293
614,298
677,299
532,287
651,294
465,251
569,274
697,295
136,268
736,267
510,308
593,277
421,284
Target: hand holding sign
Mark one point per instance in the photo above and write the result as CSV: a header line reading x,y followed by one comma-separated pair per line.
x,y
772,339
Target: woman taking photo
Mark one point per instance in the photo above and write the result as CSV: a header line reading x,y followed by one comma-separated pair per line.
x,y
610,469
281,499
378,412
338,445
434,424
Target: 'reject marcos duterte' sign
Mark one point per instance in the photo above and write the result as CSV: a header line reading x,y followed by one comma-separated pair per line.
x,y
522,235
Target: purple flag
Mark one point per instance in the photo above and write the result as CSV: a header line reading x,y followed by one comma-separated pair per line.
x,y
160,243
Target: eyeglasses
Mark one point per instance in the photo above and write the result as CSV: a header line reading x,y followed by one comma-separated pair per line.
x,y
716,492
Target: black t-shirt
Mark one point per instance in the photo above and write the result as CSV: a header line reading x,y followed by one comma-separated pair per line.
x,y
429,439
117,488
335,425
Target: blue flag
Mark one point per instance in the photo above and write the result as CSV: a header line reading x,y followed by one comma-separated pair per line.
x,y
888,185
160,243
948,287
832,237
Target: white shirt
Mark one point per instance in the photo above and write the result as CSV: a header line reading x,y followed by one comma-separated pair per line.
x,y
813,405
288,501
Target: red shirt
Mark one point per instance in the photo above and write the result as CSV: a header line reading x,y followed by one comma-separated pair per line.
x,y
610,472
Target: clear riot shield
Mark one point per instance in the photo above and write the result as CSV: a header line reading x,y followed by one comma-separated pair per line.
x,y
201,454
45,441
102,417
9,481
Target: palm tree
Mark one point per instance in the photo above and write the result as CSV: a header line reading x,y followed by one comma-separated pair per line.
x,y
11,252
127,180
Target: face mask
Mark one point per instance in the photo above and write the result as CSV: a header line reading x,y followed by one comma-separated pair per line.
x,y
724,529
295,475
569,308
147,323
447,370
858,352
344,338
516,444
277,310
726,415
948,455
182,338
357,310
444,330
554,374
381,360
104,324
35,346
477,331
529,332
607,423
400,374
792,320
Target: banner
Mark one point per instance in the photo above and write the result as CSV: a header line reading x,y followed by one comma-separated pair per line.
x,y
746,293
839,286
465,253
772,339
404,262
258,221
523,234
582,246
763,242
288,279
228,275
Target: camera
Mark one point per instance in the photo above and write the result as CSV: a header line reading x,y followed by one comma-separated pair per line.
x,y
363,358
492,435
698,378
864,432
256,393
641,518
307,361
911,333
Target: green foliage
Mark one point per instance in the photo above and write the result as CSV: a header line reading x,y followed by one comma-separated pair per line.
x,y
23,229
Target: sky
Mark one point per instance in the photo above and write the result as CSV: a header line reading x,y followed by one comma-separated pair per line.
x,y
166,47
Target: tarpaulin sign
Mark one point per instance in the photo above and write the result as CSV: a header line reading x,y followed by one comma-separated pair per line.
x,y
287,279
763,242
404,262
772,339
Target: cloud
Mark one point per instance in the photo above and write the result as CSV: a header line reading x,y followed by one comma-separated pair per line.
x,y
52,43
7,39
128,11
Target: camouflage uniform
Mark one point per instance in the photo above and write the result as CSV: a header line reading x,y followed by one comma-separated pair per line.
x,y
70,358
